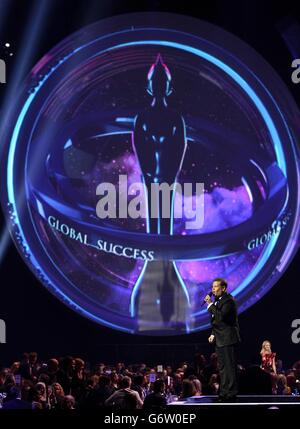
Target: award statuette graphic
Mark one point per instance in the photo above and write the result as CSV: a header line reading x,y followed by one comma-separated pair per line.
x,y
209,110
158,132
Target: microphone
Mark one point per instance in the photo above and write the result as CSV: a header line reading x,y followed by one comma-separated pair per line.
x,y
210,294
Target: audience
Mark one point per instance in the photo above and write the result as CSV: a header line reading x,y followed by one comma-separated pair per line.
x,y
68,383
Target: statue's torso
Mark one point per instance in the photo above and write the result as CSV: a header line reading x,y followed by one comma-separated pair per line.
x,y
159,140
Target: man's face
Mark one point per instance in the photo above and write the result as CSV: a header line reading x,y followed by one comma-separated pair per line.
x,y
217,289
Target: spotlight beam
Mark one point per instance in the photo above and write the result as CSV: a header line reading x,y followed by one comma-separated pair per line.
x,y
24,58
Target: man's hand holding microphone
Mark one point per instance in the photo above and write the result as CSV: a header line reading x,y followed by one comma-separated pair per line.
x,y
207,299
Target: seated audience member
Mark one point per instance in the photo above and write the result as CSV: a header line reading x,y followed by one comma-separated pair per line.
x,y
65,373
211,368
78,382
40,400
138,385
13,400
198,386
57,395
114,379
282,386
156,399
51,370
188,389
102,392
125,397
68,403
212,388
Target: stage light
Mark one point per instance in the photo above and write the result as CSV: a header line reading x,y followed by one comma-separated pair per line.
x,y
30,40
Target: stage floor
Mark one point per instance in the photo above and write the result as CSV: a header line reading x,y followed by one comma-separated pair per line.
x,y
263,401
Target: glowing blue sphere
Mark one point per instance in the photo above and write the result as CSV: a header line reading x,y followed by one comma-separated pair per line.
x,y
73,129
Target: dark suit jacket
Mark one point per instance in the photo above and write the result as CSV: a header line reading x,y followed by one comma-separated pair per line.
x,y
224,321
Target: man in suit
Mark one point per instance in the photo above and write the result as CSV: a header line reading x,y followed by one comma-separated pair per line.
x,y
225,334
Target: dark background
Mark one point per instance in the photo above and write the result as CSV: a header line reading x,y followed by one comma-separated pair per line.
x,y
36,320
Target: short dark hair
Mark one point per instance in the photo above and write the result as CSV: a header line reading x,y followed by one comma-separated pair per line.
x,y
138,379
125,382
158,385
223,283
